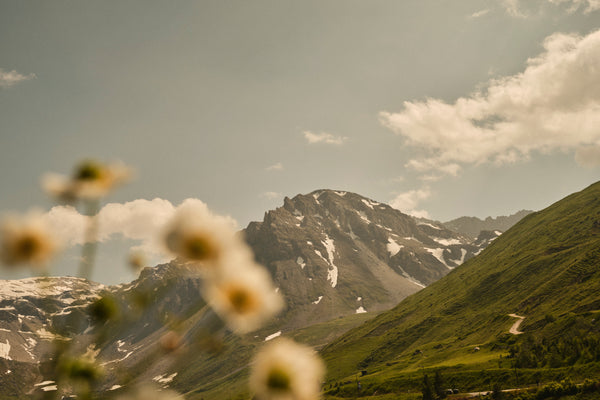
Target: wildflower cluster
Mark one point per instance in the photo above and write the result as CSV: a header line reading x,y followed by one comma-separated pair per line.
x,y
234,286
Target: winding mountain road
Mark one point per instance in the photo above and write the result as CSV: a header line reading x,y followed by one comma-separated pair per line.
x,y
514,329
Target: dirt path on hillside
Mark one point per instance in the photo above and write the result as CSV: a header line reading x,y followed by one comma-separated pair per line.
x,y
514,329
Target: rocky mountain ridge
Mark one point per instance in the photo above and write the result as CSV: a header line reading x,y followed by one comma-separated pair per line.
x,y
473,226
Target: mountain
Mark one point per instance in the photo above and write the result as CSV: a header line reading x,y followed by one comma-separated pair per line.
x,y
472,226
331,254
335,253
541,277
37,314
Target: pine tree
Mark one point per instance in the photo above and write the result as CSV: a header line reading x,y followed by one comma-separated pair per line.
x,y
438,385
426,389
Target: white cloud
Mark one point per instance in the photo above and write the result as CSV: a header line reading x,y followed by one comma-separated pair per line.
x,y
430,177
11,78
574,5
479,14
513,9
553,105
407,202
275,167
139,220
323,137
271,195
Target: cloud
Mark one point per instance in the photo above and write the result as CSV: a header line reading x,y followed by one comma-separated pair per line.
x,y
11,78
553,105
512,8
324,137
479,14
407,202
275,167
140,220
574,5
431,177
270,195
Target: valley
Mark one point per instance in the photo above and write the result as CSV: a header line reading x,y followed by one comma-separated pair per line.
x,y
342,262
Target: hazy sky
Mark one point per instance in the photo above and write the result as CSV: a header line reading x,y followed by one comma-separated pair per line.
x,y
440,108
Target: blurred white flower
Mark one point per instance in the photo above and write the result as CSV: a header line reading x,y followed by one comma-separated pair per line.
x,y
243,295
90,180
170,342
26,240
150,392
195,234
285,370
137,260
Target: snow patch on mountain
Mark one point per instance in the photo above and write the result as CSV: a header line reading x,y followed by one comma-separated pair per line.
x,y
446,242
273,336
393,247
332,274
317,301
363,216
164,378
316,196
300,262
44,334
4,350
361,310
351,233
317,252
429,225
413,239
386,228
462,257
67,289
439,254
416,282
45,383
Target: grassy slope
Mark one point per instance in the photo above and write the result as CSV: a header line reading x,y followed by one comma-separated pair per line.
x,y
544,268
229,370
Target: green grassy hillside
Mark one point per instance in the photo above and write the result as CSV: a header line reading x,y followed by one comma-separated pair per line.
x,y
228,369
546,268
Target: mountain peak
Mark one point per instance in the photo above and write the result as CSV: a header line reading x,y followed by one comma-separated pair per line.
x,y
338,246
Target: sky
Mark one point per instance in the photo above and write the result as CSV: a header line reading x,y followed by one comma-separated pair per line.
x,y
439,108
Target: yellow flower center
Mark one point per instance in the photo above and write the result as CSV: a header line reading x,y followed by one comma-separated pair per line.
x,y
200,247
27,247
278,379
88,171
242,300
